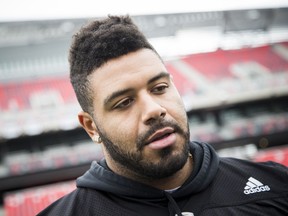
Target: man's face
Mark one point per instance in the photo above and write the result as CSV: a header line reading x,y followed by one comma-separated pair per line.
x,y
140,115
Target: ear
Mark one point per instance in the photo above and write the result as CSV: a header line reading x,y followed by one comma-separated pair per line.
x,y
87,123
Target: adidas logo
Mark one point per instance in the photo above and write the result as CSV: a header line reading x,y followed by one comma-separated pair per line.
x,y
255,186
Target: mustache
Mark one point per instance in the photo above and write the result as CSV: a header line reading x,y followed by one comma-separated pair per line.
x,y
158,125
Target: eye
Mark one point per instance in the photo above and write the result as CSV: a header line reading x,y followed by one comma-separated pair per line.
x,y
160,88
123,103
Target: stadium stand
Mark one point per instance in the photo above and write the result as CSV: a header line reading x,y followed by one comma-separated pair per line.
x,y
19,94
220,62
182,82
30,201
260,72
277,154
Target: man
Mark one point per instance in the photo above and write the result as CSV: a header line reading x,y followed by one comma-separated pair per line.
x,y
133,110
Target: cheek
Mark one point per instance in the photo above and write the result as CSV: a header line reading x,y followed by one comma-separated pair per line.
x,y
175,98
179,114
122,130
177,110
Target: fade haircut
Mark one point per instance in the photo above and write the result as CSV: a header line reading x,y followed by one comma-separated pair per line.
x,y
95,44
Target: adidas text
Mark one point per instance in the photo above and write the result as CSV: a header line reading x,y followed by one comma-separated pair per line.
x,y
257,189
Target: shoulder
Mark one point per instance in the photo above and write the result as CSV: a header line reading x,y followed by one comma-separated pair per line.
x,y
88,201
245,186
239,178
75,203
244,168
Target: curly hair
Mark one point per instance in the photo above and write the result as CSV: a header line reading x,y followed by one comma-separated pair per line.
x,y
95,44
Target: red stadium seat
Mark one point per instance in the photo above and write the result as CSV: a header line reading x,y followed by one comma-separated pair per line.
x,y
29,202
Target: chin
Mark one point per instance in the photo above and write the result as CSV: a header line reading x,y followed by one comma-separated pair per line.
x,y
169,163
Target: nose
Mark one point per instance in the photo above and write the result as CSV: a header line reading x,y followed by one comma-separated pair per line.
x,y
152,110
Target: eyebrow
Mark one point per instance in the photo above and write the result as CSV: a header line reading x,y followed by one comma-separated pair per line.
x,y
116,94
158,76
125,91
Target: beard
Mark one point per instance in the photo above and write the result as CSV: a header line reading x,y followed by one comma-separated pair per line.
x,y
168,164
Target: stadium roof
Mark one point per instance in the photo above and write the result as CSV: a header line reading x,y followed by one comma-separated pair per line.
x,y
18,10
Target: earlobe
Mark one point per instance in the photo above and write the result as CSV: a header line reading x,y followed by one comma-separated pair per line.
x,y
87,123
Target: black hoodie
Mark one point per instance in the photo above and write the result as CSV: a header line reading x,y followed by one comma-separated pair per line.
x,y
212,189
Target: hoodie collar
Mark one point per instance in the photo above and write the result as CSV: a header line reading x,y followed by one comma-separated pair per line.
x,y
206,162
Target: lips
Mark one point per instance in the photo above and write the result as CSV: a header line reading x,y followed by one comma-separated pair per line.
x,y
160,134
162,138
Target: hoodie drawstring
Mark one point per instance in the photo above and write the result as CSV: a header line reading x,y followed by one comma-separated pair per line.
x,y
172,206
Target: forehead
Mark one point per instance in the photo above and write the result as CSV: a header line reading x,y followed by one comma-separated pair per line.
x,y
130,70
